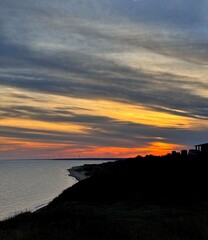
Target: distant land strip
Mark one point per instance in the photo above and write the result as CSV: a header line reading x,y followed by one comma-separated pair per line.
x,y
88,159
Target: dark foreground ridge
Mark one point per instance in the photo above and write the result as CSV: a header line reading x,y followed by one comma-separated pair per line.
x,y
139,198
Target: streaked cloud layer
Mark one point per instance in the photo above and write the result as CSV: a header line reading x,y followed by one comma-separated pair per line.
x,y
102,78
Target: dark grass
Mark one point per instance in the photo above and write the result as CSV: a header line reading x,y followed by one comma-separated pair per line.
x,y
116,221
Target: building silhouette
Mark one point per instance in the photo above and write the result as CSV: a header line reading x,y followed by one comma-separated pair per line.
x,y
184,153
202,148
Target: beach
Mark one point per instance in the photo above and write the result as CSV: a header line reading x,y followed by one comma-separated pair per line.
x,y
78,173
87,170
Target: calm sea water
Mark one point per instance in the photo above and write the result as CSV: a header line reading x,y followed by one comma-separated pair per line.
x,y
28,185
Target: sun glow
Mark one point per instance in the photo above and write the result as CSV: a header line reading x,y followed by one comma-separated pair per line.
x,y
156,148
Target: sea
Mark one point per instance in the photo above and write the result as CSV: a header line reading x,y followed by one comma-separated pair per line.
x,y
27,185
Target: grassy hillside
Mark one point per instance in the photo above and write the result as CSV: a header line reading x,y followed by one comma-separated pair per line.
x,y
140,198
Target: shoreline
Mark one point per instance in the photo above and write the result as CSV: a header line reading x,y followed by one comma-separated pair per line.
x,y
74,172
78,173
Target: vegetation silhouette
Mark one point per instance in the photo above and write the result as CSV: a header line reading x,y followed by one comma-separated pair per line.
x,y
138,198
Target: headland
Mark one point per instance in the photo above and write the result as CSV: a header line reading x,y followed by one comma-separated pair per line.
x,y
143,198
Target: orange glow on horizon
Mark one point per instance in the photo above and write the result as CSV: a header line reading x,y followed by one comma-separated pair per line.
x,y
62,150
155,148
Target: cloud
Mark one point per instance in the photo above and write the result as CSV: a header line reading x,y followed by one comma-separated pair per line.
x,y
142,53
96,78
117,134
56,115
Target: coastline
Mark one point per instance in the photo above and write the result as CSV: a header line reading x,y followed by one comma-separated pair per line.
x,y
75,172
78,173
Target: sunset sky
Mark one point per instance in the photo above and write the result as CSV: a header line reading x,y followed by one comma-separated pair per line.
x,y
102,78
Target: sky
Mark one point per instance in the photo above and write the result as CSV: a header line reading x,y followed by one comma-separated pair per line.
x,y
107,78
